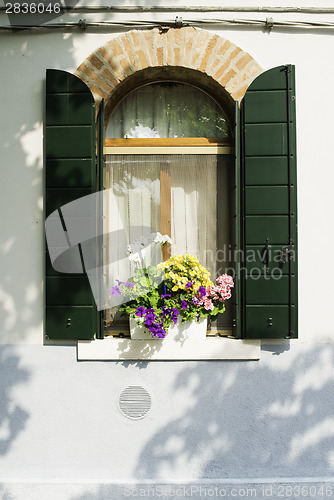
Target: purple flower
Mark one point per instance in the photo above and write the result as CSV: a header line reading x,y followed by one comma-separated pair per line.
x,y
165,311
115,290
195,301
189,284
175,314
150,317
130,285
140,311
165,296
157,329
201,291
159,332
184,304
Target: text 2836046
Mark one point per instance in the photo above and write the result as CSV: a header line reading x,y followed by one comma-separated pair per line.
x,y
32,8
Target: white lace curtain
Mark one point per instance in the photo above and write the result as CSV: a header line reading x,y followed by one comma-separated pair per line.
x,y
198,183
198,186
167,110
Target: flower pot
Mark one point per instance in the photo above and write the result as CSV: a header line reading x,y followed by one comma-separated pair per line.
x,y
190,330
138,332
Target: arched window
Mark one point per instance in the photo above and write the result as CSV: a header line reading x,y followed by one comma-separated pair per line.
x,y
168,110
168,168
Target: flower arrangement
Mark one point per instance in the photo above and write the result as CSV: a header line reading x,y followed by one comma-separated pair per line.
x,y
180,287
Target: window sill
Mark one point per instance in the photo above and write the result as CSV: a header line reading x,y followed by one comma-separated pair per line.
x,y
115,349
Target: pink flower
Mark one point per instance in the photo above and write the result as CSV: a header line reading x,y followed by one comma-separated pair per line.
x,y
225,279
208,305
223,289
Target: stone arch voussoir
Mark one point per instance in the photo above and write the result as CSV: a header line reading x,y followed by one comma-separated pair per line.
x,y
187,49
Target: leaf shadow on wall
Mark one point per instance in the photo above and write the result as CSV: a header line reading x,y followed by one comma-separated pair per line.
x,y
271,418
250,419
13,417
21,143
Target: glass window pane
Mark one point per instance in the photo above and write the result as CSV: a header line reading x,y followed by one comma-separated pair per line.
x,y
167,109
199,190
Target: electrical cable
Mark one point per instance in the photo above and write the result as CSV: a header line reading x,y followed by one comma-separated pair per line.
x,y
157,8
82,24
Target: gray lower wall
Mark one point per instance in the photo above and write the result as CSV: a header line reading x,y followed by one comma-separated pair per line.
x,y
211,423
286,489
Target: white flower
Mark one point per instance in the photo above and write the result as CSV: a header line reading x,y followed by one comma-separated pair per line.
x,y
142,132
162,239
138,244
139,249
135,257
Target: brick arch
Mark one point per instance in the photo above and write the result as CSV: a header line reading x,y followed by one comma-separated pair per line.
x,y
186,54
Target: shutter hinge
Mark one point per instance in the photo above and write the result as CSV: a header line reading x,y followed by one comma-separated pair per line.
x,y
286,253
266,256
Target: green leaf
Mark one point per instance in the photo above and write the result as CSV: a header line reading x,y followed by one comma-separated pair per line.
x,y
144,281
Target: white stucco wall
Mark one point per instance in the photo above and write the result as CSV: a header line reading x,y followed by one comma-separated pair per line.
x,y
215,421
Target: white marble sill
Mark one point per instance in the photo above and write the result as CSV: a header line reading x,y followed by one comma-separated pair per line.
x,y
215,348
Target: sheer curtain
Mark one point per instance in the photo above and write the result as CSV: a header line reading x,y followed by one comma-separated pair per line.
x,y
167,110
194,207
198,183
135,210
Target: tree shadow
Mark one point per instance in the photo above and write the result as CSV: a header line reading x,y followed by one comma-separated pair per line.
x,y
21,239
227,420
250,420
22,231
13,417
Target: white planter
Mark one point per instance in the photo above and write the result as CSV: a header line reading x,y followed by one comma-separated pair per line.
x,y
138,332
191,330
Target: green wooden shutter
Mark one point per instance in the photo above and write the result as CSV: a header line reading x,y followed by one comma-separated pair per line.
x,y
100,213
268,225
236,233
69,174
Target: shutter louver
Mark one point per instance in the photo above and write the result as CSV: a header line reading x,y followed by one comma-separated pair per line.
x,y
70,174
268,225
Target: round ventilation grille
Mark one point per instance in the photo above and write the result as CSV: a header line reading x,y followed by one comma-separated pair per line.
x,y
135,402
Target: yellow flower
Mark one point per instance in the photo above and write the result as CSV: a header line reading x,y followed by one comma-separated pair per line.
x,y
175,288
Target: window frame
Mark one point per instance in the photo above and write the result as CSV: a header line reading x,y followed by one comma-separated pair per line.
x,y
191,146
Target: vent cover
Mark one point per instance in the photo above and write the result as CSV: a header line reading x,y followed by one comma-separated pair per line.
x,y
135,402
